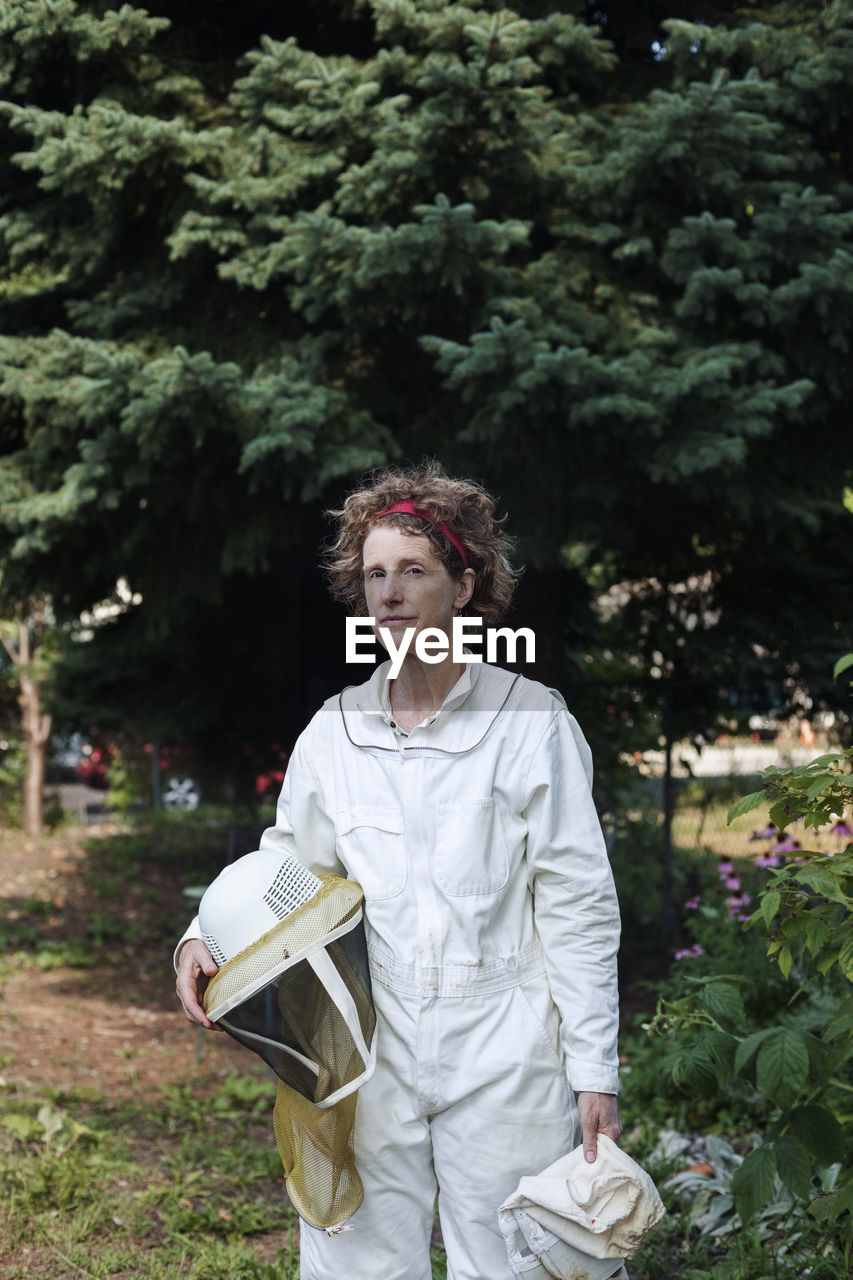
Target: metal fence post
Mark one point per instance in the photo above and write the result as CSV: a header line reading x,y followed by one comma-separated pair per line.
x,y
668,808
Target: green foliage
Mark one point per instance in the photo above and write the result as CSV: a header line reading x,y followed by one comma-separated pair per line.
x,y
811,793
129,780
842,665
784,1063
53,1127
188,1182
777,1227
232,283
177,1179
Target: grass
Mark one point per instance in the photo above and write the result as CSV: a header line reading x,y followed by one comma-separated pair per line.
x,y
185,1184
178,1184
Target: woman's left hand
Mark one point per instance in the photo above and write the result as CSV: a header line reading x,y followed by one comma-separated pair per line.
x,y
599,1113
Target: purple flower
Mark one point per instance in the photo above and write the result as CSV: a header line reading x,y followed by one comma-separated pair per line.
x,y
692,903
841,829
764,833
726,867
733,883
768,860
786,844
737,903
744,916
688,952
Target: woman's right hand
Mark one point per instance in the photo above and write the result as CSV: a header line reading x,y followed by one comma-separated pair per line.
x,y
196,966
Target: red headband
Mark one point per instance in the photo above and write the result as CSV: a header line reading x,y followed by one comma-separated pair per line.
x,y
409,508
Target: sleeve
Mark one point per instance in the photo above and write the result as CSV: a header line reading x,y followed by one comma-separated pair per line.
x,y
574,903
303,827
304,824
193,931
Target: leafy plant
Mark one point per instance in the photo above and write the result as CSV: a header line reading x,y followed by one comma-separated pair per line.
x,y
129,784
55,1128
797,1066
780,1221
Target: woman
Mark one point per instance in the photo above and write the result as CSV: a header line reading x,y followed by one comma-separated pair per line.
x,y
458,796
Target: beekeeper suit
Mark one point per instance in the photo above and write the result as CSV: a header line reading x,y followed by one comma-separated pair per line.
x,y
492,930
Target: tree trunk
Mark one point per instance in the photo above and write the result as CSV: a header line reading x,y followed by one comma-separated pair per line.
x,y
36,728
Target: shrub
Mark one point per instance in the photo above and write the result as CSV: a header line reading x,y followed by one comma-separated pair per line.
x,y
762,1023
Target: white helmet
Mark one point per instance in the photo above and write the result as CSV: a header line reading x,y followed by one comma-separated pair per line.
x,y
250,897
294,986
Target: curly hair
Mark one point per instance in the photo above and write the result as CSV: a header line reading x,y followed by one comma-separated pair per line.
x,y
463,505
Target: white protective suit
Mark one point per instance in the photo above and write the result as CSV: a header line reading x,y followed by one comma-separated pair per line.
x,y
492,929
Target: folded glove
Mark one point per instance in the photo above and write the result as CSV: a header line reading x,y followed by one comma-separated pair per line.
x,y
578,1221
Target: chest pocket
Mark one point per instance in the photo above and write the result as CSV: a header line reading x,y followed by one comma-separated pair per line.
x,y
471,856
370,845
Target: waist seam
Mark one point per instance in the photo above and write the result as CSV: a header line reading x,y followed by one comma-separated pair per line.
x,y
477,977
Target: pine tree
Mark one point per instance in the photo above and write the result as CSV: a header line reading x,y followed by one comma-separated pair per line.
x,y
704,424
615,284
637,307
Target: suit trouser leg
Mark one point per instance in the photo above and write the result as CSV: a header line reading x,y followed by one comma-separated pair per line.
x,y
390,1234
513,1115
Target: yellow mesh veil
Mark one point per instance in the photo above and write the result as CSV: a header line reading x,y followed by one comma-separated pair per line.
x,y
317,1156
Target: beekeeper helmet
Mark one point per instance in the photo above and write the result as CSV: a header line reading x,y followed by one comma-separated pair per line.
x,y
294,987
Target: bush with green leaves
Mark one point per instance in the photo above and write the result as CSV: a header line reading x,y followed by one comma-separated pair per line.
x,y
782,1063
779,1223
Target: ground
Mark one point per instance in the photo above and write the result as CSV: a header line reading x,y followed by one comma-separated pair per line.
x,y
176,1171
112,1030
65,1027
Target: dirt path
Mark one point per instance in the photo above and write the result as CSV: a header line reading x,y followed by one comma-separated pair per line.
x,y
57,1035
67,1028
